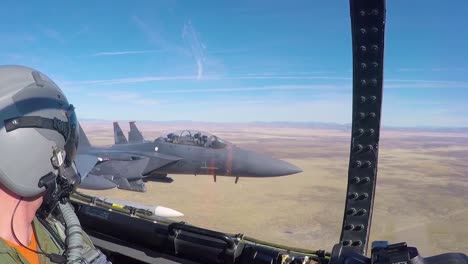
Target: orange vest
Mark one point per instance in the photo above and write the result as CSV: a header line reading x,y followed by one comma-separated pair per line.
x,y
31,256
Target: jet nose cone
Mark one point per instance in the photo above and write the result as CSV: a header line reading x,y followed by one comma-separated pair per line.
x,y
264,166
259,165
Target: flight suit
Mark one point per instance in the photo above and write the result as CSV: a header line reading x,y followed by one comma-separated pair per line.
x,y
49,243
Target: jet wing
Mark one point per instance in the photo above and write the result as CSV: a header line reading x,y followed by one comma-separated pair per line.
x,y
85,163
123,155
157,161
112,155
93,182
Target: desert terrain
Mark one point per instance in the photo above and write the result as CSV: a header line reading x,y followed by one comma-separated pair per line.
x,y
422,187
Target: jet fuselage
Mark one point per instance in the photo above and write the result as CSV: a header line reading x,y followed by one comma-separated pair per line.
x,y
228,161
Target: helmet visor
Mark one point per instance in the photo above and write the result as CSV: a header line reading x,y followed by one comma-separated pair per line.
x,y
71,140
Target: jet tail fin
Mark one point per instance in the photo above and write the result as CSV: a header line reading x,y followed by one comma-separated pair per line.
x,y
83,139
134,135
119,137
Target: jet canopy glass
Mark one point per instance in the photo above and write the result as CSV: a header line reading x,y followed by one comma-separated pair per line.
x,y
196,138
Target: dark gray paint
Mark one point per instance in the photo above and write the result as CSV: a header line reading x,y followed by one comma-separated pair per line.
x,y
155,159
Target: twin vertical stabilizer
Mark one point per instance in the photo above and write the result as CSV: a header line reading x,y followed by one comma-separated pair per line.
x,y
119,137
134,135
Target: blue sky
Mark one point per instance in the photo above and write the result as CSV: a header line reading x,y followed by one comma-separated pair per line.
x,y
239,60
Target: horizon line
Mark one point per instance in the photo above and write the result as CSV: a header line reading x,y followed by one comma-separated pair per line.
x,y
343,125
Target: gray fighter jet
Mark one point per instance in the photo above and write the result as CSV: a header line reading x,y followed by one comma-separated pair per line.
x,y
128,163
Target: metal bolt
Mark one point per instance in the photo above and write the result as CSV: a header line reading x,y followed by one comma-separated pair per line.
x,y
357,243
362,12
375,47
363,48
352,196
356,180
347,242
362,115
366,164
374,29
363,99
363,82
359,132
358,148
375,64
361,212
363,196
374,12
349,227
357,163
363,31
358,228
372,114
365,180
351,211
371,131
374,82
363,66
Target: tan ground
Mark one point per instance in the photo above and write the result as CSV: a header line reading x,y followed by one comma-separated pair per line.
x,y
421,196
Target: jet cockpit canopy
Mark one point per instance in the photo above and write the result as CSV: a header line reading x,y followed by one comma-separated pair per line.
x,y
196,138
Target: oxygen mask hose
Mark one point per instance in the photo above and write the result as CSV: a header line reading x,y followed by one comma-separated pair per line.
x,y
73,232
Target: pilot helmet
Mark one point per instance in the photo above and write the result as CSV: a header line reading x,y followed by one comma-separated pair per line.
x,y
38,133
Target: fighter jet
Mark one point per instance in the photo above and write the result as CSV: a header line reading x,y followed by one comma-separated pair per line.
x,y
128,163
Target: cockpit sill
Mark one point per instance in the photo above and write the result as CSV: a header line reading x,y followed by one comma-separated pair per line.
x,y
103,221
